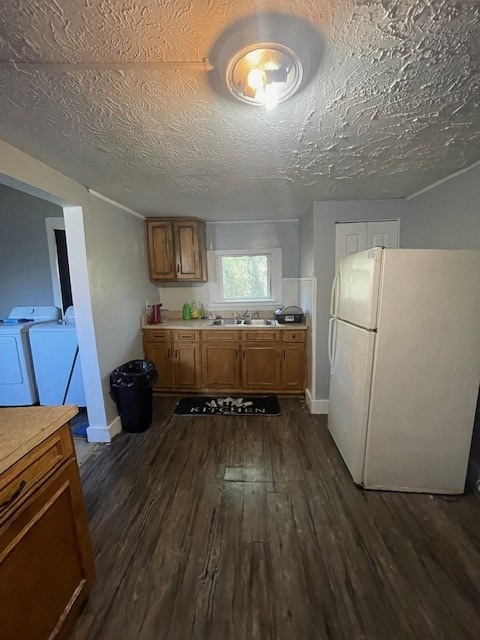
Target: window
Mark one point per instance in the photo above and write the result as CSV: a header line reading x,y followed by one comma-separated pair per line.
x,y
240,277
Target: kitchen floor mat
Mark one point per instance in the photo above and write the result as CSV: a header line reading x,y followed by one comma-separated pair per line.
x,y
229,405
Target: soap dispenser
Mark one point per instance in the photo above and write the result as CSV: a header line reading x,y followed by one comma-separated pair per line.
x,y
187,314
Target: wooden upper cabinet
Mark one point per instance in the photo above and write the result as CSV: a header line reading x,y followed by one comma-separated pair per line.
x,y
161,256
177,249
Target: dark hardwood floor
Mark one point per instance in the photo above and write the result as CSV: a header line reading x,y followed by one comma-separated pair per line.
x,y
237,528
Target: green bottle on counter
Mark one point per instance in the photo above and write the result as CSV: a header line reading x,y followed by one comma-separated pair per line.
x,y
187,313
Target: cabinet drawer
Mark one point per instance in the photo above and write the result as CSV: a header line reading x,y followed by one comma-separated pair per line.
x,y
29,472
186,336
162,335
294,336
219,335
259,335
46,562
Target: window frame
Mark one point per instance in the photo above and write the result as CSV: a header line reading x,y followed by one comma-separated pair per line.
x,y
216,299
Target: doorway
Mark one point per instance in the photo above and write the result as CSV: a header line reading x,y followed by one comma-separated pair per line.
x,y
59,265
63,269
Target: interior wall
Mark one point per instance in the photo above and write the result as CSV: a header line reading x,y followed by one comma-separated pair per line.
x,y
251,236
305,242
117,262
26,278
445,217
222,236
109,277
325,215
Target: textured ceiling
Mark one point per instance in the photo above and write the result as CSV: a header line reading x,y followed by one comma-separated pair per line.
x,y
392,108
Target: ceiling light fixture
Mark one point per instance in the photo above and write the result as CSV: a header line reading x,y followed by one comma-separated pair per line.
x,y
265,58
264,74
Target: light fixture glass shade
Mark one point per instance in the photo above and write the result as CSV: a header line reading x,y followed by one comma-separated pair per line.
x,y
264,74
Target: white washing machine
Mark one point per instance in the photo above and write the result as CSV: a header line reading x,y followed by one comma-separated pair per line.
x,y
17,382
56,362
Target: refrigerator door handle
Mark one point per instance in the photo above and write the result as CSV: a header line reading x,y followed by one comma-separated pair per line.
x,y
333,296
332,336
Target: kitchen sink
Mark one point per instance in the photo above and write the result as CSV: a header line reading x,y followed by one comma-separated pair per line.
x,y
227,321
261,322
224,322
256,322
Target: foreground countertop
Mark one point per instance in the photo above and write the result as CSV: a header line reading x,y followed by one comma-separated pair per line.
x,y
207,324
23,428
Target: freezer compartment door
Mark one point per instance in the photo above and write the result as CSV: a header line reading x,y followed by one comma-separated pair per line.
x,y
351,373
355,291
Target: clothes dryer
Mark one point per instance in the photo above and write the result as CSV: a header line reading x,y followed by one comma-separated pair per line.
x,y
56,361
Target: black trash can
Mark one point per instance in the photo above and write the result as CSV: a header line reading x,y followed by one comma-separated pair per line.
x,y
131,390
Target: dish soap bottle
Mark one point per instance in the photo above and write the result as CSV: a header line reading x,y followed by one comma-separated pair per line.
x,y
187,314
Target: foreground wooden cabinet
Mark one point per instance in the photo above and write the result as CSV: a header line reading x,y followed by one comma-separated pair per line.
x,y
46,563
254,360
176,249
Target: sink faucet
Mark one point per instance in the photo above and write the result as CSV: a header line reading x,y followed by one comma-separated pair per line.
x,y
247,314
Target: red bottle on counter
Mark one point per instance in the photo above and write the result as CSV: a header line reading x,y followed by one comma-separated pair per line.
x,y
156,315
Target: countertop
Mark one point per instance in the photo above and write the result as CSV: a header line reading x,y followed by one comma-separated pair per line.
x,y
206,324
23,428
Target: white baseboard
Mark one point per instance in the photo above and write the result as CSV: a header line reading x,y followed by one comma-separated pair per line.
x,y
315,406
104,434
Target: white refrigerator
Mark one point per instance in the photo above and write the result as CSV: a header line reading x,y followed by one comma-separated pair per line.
x,y
404,346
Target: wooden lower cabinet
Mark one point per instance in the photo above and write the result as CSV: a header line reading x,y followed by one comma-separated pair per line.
x,y
261,366
228,360
293,371
186,366
46,563
221,365
160,353
177,358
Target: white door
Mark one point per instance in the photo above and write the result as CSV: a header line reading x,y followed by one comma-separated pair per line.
x,y
352,237
351,373
383,233
355,288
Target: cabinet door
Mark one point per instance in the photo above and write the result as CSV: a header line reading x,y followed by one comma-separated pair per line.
x,y
186,365
189,250
160,353
46,564
294,366
160,250
261,366
221,365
